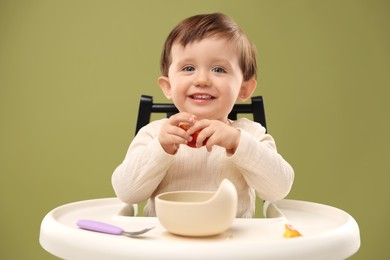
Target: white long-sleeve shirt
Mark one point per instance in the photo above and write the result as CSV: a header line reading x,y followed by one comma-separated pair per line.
x,y
255,168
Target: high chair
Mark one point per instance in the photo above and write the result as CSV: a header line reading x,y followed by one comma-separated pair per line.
x,y
327,232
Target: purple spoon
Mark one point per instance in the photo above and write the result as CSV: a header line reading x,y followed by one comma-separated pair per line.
x,y
101,227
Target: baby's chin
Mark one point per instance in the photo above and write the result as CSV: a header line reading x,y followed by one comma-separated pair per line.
x,y
204,112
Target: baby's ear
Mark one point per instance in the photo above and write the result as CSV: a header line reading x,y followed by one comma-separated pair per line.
x,y
247,89
165,86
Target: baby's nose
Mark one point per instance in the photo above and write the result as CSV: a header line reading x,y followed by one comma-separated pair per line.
x,y
202,79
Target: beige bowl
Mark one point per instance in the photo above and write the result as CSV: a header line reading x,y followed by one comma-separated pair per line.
x,y
198,213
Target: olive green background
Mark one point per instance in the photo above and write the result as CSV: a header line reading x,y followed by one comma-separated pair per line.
x,y
72,72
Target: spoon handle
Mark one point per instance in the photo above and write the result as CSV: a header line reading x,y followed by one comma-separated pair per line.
x,y
101,227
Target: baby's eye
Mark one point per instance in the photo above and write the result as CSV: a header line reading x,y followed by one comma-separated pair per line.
x,y
219,70
188,68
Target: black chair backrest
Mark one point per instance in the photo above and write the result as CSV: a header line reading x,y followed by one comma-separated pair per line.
x,y
147,107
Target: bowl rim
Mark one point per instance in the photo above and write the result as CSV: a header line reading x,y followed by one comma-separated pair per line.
x,y
213,193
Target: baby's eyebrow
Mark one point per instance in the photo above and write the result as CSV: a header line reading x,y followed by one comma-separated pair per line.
x,y
183,61
222,62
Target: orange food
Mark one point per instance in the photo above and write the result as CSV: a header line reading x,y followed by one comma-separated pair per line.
x,y
291,232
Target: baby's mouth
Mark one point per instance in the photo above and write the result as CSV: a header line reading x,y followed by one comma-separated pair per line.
x,y
202,97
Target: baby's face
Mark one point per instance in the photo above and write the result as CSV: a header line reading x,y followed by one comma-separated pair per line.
x,y
205,78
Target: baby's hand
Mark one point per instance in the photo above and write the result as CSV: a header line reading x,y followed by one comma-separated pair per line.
x,y
192,142
171,135
215,132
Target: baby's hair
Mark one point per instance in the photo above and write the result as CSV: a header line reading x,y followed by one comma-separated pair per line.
x,y
199,27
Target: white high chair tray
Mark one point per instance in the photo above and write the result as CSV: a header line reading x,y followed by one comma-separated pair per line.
x,y
328,233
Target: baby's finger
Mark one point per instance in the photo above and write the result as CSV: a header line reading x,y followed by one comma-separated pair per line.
x,y
180,118
205,139
173,130
198,126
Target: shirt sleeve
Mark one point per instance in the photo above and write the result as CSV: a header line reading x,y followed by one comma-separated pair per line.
x,y
143,168
263,168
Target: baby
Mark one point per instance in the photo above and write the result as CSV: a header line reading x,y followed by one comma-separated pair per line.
x,y
207,64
